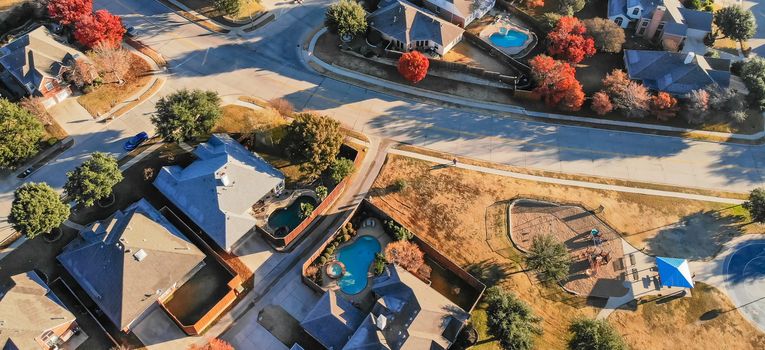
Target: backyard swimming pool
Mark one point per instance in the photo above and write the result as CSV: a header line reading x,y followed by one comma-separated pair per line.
x,y
357,257
284,220
512,38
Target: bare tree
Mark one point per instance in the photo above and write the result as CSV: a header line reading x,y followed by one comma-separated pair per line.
x,y
112,61
82,73
35,106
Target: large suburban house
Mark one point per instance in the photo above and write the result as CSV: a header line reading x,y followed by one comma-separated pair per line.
x,y
665,21
407,315
34,64
408,27
130,262
32,316
459,12
218,190
674,72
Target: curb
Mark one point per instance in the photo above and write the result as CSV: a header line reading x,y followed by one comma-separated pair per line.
x,y
507,110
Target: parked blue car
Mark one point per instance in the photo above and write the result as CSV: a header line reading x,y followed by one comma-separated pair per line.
x,y
136,140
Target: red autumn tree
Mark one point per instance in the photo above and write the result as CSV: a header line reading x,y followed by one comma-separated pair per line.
x,y
556,83
664,106
213,344
601,104
413,66
535,3
69,11
568,40
101,27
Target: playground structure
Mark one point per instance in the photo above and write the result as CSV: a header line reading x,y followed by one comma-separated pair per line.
x,y
596,255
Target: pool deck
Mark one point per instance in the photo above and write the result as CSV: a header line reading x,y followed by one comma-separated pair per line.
x,y
495,28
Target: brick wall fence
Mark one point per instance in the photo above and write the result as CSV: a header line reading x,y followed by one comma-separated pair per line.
x,y
321,209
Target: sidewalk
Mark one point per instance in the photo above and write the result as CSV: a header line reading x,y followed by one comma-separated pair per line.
x,y
507,110
564,182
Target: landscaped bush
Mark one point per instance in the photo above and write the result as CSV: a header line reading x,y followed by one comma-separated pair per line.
x,y
348,231
601,103
379,264
400,185
340,169
306,209
284,107
398,231
321,191
756,205
589,334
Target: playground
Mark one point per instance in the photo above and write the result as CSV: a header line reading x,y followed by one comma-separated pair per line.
x,y
597,255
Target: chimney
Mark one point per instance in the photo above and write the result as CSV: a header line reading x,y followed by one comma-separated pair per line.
x,y
394,19
381,322
653,24
689,58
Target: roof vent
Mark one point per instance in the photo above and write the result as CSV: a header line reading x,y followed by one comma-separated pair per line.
x,y
140,255
394,19
224,180
689,58
381,322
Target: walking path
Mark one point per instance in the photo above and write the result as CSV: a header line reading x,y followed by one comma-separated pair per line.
x,y
565,182
490,107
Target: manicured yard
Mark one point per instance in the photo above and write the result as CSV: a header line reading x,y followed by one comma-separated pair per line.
x,y
106,96
249,8
6,4
450,208
668,323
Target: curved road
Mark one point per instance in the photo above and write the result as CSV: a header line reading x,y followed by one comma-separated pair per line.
x,y
267,63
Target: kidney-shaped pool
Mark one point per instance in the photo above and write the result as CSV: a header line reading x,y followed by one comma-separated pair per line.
x,y
357,257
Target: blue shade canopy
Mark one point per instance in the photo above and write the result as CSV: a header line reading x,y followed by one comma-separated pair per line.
x,y
674,272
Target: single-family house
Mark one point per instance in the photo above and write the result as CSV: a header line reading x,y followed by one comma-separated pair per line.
x,y
34,65
131,261
407,315
408,27
674,72
218,190
664,21
459,12
32,316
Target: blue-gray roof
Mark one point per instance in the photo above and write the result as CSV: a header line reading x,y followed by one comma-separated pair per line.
x,y
616,7
667,71
408,23
332,320
127,261
218,190
701,20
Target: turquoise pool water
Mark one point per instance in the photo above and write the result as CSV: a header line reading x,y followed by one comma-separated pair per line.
x,y
513,38
357,257
283,220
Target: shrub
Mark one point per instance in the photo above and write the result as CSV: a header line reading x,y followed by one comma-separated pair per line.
x,y
409,256
282,106
398,231
697,106
511,320
321,191
549,258
348,229
400,185
340,169
570,7
306,209
228,7
548,20
601,104
753,75
379,264
664,106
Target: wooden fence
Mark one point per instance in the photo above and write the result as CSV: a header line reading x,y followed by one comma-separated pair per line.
x,y
282,242
208,318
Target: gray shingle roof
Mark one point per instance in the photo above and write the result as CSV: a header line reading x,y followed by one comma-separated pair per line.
x,y
218,190
701,20
418,317
103,261
676,14
332,320
408,23
616,7
35,55
666,71
27,309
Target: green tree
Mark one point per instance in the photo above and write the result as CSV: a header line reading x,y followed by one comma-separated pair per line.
x,y
228,7
20,132
549,258
93,180
346,17
511,320
589,334
341,168
756,204
736,23
570,7
753,75
37,209
185,114
608,36
313,139
400,232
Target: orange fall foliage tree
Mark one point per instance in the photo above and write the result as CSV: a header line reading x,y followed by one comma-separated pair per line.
x,y
601,104
556,83
568,41
413,66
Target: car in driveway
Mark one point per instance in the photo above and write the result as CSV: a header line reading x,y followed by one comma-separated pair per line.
x,y
136,140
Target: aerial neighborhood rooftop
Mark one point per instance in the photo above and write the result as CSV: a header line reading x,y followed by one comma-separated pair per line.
x,y
392,174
